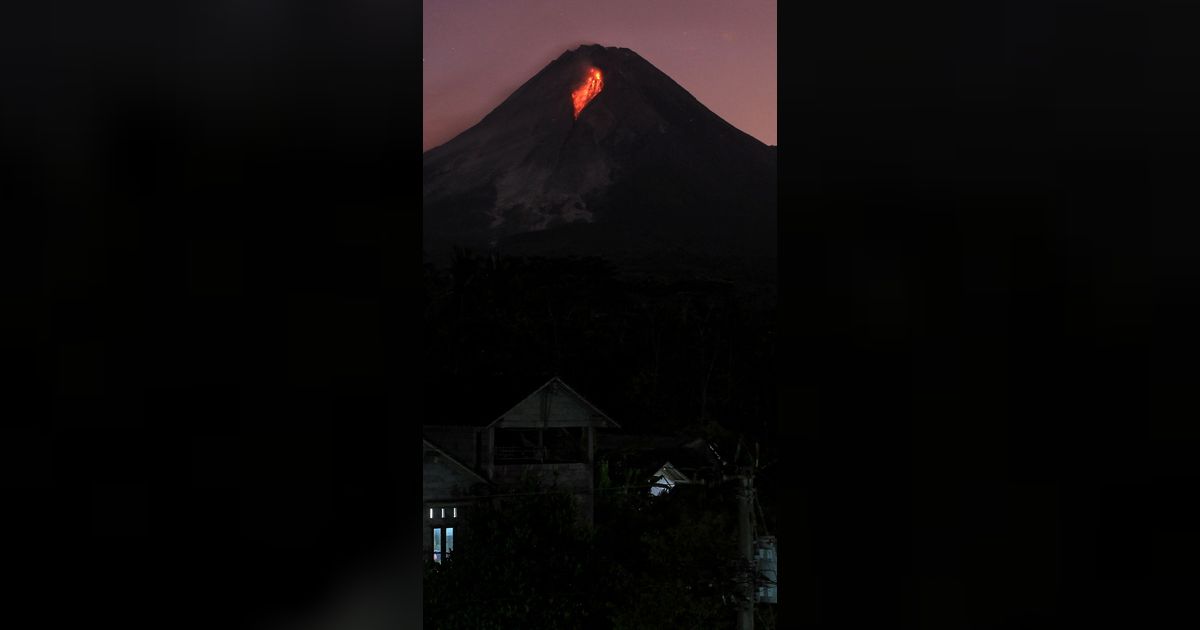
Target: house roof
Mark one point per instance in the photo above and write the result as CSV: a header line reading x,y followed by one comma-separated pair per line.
x,y
672,474
555,390
477,403
451,460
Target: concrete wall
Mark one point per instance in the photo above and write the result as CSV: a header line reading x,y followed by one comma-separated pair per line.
x,y
442,479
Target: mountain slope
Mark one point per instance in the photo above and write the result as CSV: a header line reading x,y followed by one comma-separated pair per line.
x,y
644,168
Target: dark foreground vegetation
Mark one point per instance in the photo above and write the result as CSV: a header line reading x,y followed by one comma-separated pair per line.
x,y
649,562
657,351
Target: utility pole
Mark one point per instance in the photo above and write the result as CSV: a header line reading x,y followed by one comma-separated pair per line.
x,y
746,548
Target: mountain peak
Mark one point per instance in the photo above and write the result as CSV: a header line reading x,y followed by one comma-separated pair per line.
x,y
588,49
600,142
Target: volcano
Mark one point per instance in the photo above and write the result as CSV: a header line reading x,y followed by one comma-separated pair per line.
x,y
601,153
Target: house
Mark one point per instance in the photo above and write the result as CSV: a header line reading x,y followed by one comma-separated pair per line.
x,y
666,478
550,434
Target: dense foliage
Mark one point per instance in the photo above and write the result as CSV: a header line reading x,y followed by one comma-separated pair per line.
x,y
526,565
657,351
665,562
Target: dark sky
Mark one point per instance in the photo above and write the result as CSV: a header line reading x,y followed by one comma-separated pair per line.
x,y
477,52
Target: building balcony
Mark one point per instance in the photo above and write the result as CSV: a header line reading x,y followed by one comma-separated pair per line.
x,y
506,455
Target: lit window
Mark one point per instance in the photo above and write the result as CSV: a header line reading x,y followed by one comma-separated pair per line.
x,y
455,512
443,512
430,512
443,543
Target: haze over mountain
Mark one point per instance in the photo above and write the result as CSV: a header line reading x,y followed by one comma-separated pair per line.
x,y
642,168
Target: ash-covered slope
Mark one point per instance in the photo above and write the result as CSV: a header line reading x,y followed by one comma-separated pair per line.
x,y
644,168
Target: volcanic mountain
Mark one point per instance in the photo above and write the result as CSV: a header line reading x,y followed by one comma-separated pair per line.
x,y
601,153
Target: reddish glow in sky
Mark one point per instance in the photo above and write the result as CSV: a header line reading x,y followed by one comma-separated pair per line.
x,y
477,52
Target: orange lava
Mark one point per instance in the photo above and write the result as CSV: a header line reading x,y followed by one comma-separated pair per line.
x,y
587,91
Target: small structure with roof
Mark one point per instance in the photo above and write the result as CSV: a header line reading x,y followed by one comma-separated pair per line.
x,y
663,462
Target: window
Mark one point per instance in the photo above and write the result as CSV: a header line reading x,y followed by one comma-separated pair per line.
x,y
443,543
443,533
443,513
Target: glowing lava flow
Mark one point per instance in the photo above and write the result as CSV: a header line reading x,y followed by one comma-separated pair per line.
x,y
587,91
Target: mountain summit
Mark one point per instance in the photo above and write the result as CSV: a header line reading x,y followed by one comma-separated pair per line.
x,y
601,153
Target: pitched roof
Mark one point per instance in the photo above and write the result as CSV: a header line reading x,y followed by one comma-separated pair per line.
x,y
555,394
476,401
672,474
449,458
